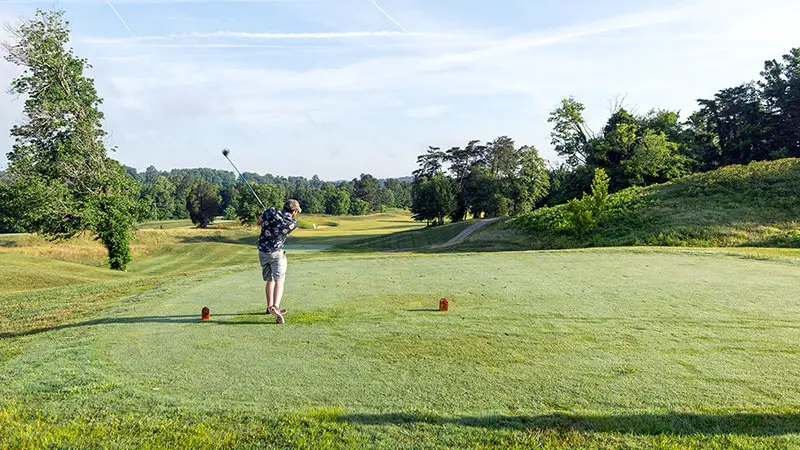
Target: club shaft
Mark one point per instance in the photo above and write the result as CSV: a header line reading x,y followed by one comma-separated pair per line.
x,y
245,182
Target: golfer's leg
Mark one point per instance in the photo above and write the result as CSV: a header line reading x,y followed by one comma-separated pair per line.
x,y
281,271
266,274
278,293
270,294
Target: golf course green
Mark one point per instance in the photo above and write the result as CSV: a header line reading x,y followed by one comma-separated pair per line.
x,y
621,348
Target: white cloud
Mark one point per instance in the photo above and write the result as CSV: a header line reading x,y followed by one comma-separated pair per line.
x,y
476,85
267,36
427,112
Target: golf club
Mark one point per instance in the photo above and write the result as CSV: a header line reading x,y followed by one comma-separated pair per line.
x,y
225,153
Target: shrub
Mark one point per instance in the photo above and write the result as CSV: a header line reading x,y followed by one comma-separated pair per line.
x,y
583,215
230,213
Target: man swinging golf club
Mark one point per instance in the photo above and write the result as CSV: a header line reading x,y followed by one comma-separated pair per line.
x,y
276,225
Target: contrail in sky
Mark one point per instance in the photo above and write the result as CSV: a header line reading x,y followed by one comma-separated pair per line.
x,y
389,17
119,16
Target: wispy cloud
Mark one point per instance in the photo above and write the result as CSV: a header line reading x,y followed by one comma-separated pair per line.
x,y
471,82
347,35
389,16
119,16
427,112
144,2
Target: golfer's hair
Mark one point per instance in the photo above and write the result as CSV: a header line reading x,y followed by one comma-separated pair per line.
x,y
292,205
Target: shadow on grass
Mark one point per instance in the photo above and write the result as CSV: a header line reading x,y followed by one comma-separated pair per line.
x,y
750,424
251,241
423,310
195,318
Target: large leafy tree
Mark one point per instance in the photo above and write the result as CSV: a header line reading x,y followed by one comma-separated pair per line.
x,y
501,157
570,134
202,203
359,207
530,181
59,160
781,92
462,161
430,163
368,189
183,186
738,119
159,197
337,201
654,159
10,204
247,207
434,198
401,192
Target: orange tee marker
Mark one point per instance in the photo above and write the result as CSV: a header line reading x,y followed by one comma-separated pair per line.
x,y
206,314
443,304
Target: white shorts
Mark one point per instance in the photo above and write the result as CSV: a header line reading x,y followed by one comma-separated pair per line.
x,y
273,265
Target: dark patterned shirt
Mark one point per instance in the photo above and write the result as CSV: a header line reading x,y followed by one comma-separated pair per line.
x,y
276,227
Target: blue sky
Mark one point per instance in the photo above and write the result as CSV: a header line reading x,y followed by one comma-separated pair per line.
x,y
343,87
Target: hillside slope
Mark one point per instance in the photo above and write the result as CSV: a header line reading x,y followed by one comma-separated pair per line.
x,y
757,205
410,239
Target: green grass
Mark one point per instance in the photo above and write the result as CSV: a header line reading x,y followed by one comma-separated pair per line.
x,y
42,285
412,239
631,348
643,347
757,205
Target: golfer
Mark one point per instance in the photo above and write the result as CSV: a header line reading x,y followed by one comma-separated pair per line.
x,y
276,225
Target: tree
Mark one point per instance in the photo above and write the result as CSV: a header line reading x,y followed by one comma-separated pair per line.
x,y
10,206
461,163
501,157
740,123
567,183
183,186
430,163
358,207
337,201
480,188
618,140
151,175
203,203
585,214
160,197
59,159
665,121
530,182
313,202
655,159
702,142
443,196
401,192
780,89
368,189
570,133
247,207
387,198
434,198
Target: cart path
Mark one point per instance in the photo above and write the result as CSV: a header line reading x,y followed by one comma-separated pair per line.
x,y
466,233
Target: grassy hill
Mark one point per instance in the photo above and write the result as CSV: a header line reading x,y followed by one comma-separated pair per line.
x,y
757,205
411,239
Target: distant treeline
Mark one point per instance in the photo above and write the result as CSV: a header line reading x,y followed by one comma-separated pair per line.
x,y
755,121
170,194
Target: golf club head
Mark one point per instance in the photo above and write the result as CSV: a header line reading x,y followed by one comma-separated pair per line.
x,y
225,152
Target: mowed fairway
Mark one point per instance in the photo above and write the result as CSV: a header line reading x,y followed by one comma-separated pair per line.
x,y
645,348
